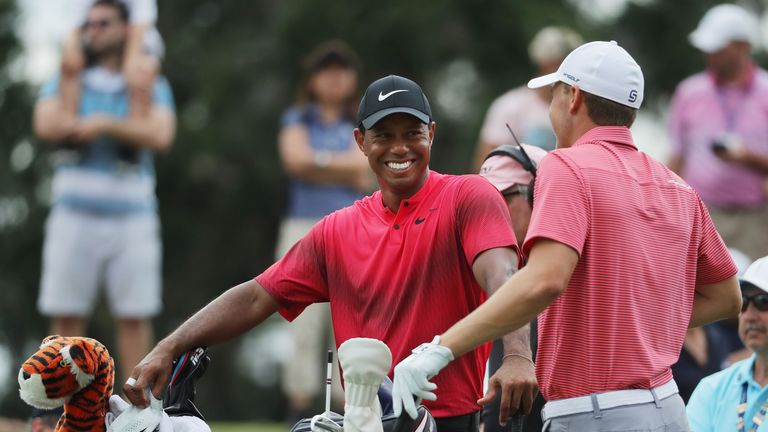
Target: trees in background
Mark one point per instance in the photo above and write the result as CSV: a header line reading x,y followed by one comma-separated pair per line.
x,y
233,67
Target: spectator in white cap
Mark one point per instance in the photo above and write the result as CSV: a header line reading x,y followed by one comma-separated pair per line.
x,y
735,398
512,170
527,110
717,128
622,258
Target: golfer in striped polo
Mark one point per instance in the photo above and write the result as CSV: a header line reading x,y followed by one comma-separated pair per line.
x,y
623,257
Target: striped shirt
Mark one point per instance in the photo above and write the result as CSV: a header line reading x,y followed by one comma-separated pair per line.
x,y
703,112
644,240
105,176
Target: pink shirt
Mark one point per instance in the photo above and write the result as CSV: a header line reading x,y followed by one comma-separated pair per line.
x,y
402,278
644,240
702,112
527,115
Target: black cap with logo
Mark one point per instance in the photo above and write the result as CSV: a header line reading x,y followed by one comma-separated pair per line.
x,y
390,95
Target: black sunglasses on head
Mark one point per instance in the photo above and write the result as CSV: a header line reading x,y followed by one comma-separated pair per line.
x,y
759,300
518,153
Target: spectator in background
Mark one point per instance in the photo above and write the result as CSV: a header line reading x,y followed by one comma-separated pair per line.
x,y
527,110
735,399
511,170
704,352
103,228
44,420
718,129
326,172
710,348
141,56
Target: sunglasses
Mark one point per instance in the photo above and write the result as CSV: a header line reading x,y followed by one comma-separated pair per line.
x,y
101,24
760,301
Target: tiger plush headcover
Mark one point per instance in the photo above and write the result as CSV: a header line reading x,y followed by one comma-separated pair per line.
x,y
74,372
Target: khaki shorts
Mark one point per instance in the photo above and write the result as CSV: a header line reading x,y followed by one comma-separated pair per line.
x,y
83,253
743,229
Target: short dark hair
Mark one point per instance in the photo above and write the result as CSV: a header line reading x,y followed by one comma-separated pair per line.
x,y
122,8
605,112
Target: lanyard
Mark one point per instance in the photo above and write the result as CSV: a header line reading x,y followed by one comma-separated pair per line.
x,y
742,408
731,111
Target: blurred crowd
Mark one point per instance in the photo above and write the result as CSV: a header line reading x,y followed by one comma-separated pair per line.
x,y
109,109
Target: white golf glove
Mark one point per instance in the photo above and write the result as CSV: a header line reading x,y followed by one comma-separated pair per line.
x,y
365,363
122,416
128,418
413,373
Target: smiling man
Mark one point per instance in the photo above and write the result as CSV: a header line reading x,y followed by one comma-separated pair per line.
x,y
735,398
426,245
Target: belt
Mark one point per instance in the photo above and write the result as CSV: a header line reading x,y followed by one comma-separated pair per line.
x,y
600,401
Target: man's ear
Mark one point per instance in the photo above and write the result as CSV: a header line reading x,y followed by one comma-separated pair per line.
x,y
360,140
432,128
576,99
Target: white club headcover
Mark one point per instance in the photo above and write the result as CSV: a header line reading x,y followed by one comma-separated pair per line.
x,y
365,363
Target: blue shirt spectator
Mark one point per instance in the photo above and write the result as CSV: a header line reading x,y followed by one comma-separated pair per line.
x,y
737,398
106,176
315,200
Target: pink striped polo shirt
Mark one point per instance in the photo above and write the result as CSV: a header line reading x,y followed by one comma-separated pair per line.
x,y
702,112
644,240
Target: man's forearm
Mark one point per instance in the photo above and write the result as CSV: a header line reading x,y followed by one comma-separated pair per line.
x,y
342,168
518,343
757,162
707,310
142,132
231,314
715,302
51,122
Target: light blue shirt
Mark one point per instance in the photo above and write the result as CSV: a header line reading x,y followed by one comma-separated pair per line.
x,y
104,176
313,200
712,406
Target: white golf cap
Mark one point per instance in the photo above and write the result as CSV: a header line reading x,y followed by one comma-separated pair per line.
x,y
603,69
757,274
722,25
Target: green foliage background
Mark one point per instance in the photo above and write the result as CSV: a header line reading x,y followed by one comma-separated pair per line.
x,y
233,66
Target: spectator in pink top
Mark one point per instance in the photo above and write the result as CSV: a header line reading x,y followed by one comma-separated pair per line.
x,y
622,259
524,109
718,129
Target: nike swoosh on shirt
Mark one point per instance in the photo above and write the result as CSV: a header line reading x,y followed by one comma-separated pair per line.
x,y
419,220
383,97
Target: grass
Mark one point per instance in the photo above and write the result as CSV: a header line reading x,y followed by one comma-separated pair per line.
x,y
248,427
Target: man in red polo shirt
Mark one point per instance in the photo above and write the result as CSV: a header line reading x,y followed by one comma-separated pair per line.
x,y
425,243
622,254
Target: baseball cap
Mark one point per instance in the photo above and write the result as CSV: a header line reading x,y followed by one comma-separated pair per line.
x,y
722,25
393,94
601,68
756,274
504,171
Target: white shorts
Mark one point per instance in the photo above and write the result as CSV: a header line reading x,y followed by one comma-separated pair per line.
x,y
83,252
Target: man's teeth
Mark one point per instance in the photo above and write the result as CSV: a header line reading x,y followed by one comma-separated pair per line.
x,y
399,165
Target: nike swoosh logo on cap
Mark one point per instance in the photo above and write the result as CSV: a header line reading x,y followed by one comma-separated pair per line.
x,y
383,97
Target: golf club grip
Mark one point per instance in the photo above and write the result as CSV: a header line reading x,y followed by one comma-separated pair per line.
x,y
516,422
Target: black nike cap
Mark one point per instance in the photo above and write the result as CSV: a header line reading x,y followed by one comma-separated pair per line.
x,y
389,95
